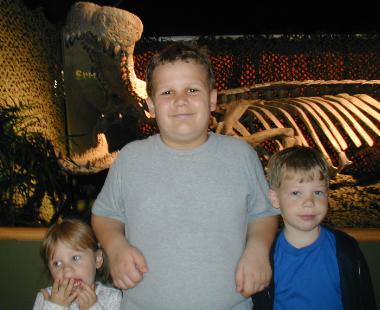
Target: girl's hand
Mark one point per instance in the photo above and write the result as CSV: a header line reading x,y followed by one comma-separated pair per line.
x,y
62,292
86,296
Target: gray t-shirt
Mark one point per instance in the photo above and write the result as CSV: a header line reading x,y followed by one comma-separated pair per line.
x,y
187,211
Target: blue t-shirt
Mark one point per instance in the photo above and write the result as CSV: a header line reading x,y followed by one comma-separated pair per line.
x,y
307,278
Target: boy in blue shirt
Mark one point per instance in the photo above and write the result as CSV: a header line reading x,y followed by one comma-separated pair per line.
x,y
314,267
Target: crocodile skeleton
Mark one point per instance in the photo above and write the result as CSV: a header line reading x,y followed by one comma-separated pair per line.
x,y
337,117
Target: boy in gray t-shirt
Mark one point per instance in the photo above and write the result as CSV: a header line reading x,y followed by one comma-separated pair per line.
x,y
184,215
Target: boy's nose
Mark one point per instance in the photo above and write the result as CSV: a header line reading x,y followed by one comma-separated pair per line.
x,y
309,201
180,99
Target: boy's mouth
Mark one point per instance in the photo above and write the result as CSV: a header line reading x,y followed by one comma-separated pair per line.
x,y
183,115
307,217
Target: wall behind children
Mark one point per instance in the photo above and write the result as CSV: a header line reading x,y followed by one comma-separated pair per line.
x,y
33,74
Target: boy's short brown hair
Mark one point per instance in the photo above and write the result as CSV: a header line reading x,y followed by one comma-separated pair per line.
x,y
179,51
297,159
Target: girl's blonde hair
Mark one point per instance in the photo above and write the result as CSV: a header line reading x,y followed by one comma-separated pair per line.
x,y
301,160
77,234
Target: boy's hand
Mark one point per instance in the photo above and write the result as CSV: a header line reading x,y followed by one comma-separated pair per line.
x,y
127,266
253,273
61,293
86,296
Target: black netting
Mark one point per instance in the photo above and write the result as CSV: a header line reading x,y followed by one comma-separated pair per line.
x,y
249,60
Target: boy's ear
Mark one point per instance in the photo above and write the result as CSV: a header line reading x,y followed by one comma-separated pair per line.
x,y
274,199
99,259
150,104
213,99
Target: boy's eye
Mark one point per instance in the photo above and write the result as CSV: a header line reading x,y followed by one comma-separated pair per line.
x,y
295,193
319,193
192,90
166,92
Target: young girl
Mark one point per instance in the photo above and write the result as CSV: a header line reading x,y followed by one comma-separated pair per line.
x,y
71,253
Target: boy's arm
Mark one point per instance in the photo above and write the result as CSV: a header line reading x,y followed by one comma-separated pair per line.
x,y
254,272
126,263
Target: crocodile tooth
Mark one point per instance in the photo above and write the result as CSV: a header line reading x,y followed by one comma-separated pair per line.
x,y
117,49
67,38
106,45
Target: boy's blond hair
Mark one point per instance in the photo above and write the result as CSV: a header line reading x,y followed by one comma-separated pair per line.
x,y
302,160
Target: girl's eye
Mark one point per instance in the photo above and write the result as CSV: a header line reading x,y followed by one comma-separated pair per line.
x,y
295,193
165,93
57,264
76,258
192,90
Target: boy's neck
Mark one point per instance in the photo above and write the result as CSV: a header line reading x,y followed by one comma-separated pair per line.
x,y
186,146
301,239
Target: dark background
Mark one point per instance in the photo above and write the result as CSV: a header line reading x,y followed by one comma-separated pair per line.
x,y
197,18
